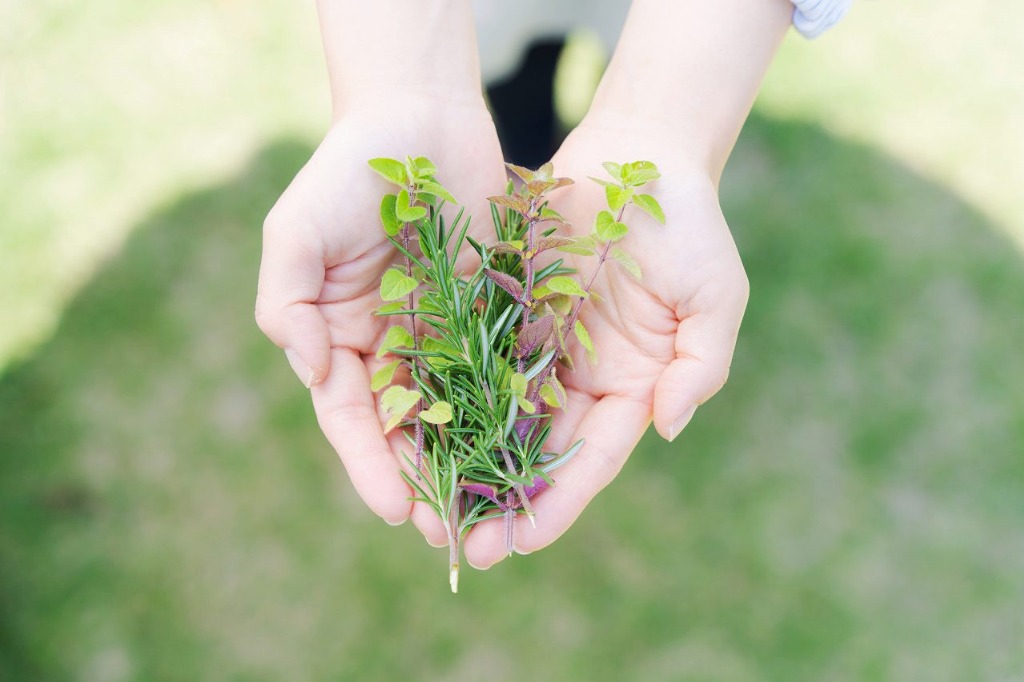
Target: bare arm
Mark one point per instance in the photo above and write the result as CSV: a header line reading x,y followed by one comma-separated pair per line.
x,y
693,67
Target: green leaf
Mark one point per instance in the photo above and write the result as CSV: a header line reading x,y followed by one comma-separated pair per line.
x,y
525,405
391,170
626,261
548,213
617,196
608,229
584,337
639,173
614,169
388,308
518,384
396,284
439,413
549,396
560,304
435,189
581,246
383,376
603,183
397,337
540,291
650,206
565,285
405,212
424,167
553,392
432,345
392,225
397,401
563,347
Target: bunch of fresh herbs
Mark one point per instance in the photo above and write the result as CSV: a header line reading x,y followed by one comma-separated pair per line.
x,y
483,350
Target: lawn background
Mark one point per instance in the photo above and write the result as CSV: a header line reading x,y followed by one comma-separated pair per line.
x,y
849,508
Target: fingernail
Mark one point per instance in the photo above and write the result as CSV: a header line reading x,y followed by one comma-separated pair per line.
x,y
681,423
394,523
479,568
306,374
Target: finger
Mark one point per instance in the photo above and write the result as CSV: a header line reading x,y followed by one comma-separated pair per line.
x,y
704,346
610,429
427,522
347,414
291,277
423,517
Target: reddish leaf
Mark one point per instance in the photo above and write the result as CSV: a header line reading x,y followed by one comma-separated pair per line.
x,y
506,282
553,242
483,490
516,203
523,428
525,174
505,247
538,187
535,334
539,485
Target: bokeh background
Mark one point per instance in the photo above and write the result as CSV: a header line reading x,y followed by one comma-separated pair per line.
x,y
850,507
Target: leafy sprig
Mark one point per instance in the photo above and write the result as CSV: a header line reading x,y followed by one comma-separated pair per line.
x,y
482,348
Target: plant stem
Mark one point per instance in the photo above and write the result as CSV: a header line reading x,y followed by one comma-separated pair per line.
x,y
520,491
452,528
574,315
531,230
421,405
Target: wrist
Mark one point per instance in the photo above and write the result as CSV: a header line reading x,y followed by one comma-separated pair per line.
x,y
676,148
400,93
425,111
396,52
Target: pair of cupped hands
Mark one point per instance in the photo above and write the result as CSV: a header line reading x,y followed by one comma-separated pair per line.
x,y
665,341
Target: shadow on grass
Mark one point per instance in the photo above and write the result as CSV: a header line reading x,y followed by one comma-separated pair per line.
x,y
847,508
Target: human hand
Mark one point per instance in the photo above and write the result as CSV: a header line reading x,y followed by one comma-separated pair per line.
x,y
324,254
665,342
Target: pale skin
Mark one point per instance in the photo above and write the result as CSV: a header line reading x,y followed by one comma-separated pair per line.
x,y
679,86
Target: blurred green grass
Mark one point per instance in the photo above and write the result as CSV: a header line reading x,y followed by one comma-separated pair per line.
x,y
847,509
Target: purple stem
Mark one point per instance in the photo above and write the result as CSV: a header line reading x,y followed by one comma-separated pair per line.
x,y
531,229
574,315
421,405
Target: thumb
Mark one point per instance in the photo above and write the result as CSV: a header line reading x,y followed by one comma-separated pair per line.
x,y
704,347
290,281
